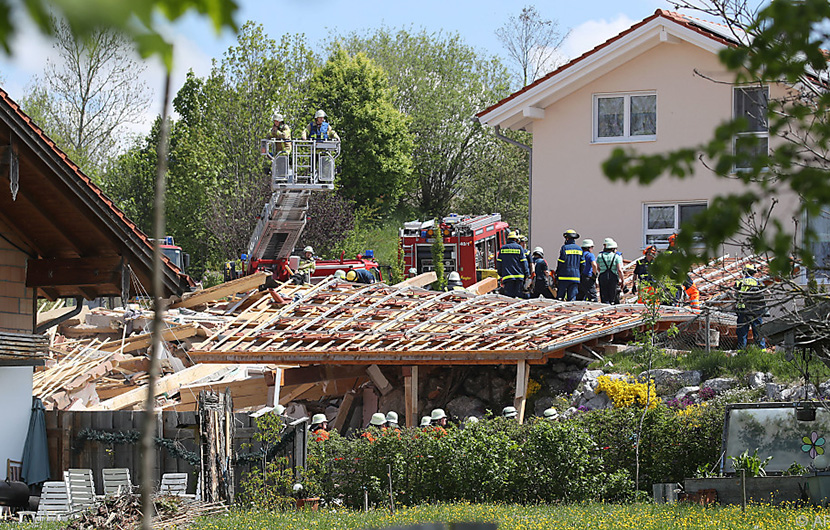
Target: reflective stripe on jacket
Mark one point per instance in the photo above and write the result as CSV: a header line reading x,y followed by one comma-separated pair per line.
x,y
318,133
570,262
511,263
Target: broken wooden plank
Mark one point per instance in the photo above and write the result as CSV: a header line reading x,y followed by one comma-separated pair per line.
x,y
166,385
217,292
377,377
418,281
138,342
485,286
343,411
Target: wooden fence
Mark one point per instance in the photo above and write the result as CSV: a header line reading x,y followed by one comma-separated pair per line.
x,y
67,450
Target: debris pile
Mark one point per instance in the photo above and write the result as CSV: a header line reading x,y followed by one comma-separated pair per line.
x,y
124,512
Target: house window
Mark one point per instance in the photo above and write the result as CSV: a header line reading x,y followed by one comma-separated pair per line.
x,y
625,117
663,220
819,226
751,103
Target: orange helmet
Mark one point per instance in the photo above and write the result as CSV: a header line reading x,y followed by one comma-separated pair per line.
x,y
672,239
651,249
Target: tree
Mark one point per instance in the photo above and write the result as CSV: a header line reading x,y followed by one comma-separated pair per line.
x,y
500,183
89,97
782,45
330,218
532,43
376,160
439,83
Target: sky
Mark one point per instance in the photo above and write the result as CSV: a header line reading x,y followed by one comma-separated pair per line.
x,y
590,22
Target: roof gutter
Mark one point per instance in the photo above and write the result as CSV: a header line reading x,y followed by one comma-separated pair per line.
x,y
529,150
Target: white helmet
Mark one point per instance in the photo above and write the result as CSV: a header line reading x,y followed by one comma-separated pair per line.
x,y
278,117
319,114
438,414
609,243
454,277
587,243
317,419
470,420
392,417
378,419
425,421
509,412
551,414
339,274
309,249
539,250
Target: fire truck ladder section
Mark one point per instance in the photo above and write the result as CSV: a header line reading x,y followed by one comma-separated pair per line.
x,y
307,168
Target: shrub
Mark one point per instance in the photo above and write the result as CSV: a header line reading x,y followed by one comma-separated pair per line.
x,y
626,393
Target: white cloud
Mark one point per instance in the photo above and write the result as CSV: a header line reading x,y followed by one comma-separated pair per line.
x,y
591,33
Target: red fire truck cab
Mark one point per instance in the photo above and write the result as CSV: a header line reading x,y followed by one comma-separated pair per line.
x,y
470,244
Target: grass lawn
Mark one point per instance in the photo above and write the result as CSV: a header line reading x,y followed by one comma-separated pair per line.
x,y
592,516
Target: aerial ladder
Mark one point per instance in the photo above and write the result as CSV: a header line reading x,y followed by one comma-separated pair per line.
x,y
308,168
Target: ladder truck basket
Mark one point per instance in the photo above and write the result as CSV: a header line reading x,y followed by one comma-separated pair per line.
x,y
309,165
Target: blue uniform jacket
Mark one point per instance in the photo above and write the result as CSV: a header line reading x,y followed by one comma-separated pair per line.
x,y
511,263
570,263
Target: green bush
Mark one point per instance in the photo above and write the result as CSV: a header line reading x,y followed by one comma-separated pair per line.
x,y
495,460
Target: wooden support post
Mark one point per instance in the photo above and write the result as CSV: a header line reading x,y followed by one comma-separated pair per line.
x,y
216,432
522,377
343,412
411,397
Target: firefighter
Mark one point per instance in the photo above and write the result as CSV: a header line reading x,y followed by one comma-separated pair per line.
x,y
750,307
541,275
305,268
426,421
643,280
319,428
551,414
688,286
509,412
454,282
339,274
588,273
609,267
319,128
281,131
392,419
360,276
569,266
438,420
512,266
378,420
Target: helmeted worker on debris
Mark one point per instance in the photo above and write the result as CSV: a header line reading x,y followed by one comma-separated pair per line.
x,y
644,282
305,268
319,428
588,273
319,128
281,132
541,275
688,286
454,282
611,279
360,276
569,266
750,307
512,266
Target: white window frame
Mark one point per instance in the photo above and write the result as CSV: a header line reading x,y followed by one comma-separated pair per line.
x,y
668,231
757,134
626,137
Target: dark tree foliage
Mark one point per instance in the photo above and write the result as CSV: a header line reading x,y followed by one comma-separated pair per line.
x,y
330,218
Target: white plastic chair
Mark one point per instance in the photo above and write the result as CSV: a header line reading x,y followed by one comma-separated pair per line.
x,y
174,484
53,506
117,481
81,489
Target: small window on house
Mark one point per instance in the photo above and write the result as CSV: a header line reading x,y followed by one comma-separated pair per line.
x,y
663,220
819,226
750,103
625,117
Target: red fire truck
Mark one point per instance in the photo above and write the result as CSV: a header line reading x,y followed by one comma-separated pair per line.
x,y
470,244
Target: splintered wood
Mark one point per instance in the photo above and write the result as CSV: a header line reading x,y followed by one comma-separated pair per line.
x,y
344,323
